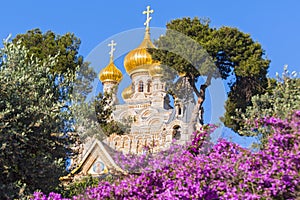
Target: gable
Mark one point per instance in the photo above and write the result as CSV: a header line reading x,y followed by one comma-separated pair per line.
x,y
97,161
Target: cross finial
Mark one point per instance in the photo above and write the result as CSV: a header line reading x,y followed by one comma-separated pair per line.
x,y
112,49
148,12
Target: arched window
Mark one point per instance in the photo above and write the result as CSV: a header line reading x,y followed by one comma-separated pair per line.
x,y
141,86
176,134
179,110
149,86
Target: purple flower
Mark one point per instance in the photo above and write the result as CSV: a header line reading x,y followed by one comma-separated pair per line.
x,y
203,171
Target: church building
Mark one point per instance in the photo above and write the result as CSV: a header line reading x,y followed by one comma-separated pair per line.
x,y
155,123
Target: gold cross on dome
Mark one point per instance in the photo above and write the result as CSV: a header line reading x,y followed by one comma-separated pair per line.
x,y
148,12
112,49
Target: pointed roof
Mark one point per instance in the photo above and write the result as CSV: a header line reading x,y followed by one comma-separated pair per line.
x,y
97,150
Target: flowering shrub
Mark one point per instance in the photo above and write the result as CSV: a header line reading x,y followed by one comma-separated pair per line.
x,y
222,171
132,163
281,98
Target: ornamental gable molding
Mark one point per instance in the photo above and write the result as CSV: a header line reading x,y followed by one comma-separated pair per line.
x,y
98,153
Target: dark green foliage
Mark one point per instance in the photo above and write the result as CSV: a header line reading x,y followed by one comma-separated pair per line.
x,y
79,187
193,49
50,44
104,109
65,48
85,76
93,118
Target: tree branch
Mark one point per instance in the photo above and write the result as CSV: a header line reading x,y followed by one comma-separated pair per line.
x,y
191,80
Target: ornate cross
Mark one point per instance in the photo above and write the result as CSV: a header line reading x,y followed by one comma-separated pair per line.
x,y
112,49
148,12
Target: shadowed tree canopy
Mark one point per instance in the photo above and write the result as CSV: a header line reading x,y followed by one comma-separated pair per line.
x,y
43,45
192,49
65,48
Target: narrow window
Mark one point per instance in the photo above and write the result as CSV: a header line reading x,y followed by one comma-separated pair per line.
x,y
133,87
179,110
149,86
141,86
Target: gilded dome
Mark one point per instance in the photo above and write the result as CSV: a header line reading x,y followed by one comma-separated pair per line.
x,y
127,92
110,73
139,59
156,70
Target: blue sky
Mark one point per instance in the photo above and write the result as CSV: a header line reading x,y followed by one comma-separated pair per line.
x,y
274,24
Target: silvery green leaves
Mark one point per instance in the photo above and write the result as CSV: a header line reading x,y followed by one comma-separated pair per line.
x,y
32,114
281,98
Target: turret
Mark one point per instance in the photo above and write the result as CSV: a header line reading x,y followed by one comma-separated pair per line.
x,y
111,76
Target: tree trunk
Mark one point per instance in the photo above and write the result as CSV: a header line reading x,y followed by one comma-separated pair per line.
x,y
197,115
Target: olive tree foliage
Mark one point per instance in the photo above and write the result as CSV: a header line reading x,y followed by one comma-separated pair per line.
x,y
194,50
84,121
32,118
43,77
280,100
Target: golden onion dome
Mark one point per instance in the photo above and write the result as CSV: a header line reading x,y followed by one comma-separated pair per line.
x,y
110,73
156,70
139,59
182,74
127,92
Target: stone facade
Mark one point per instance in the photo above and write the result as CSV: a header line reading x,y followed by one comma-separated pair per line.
x,y
154,122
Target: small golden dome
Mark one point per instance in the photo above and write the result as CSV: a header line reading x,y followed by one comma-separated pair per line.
x,y
182,74
156,70
127,92
110,73
139,59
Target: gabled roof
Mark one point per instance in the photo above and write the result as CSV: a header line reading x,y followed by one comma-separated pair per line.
x,y
96,150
